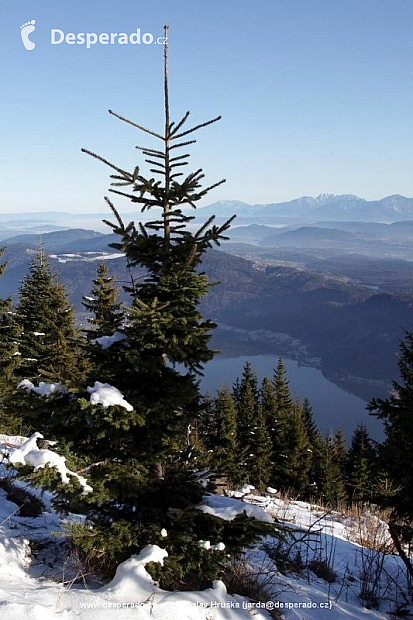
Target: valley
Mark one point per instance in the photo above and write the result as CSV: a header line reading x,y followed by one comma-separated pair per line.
x,y
332,294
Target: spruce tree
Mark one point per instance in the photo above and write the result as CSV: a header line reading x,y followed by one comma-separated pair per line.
x,y
245,394
268,409
9,362
144,473
297,464
51,349
49,339
254,440
333,487
261,448
308,417
315,473
107,317
224,445
396,413
360,465
268,403
281,424
107,314
282,389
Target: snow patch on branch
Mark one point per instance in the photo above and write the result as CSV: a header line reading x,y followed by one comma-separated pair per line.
x,y
106,395
227,508
28,453
43,389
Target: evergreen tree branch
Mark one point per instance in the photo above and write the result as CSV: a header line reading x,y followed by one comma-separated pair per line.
x,y
125,175
185,133
179,125
141,127
177,146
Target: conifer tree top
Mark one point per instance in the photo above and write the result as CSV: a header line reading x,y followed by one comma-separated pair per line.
x,y
164,244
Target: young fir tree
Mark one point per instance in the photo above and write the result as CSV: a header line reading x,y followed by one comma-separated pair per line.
x,y
333,486
280,426
107,317
316,472
395,454
361,465
245,393
261,448
143,477
165,327
224,445
9,362
49,340
50,347
297,464
107,314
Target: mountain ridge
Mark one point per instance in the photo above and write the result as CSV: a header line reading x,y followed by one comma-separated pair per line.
x,y
324,206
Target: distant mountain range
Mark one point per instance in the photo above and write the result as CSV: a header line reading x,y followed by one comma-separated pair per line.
x,y
345,309
323,207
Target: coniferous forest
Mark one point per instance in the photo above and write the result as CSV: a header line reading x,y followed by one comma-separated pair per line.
x,y
122,395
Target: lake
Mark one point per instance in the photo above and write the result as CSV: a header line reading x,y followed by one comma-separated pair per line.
x,y
333,407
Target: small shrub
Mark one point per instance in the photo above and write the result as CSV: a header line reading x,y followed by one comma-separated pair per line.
x,y
240,579
322,569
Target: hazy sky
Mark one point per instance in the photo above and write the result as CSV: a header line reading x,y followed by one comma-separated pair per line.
x,y
315,96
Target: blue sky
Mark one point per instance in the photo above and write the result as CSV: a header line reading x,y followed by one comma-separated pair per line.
x,y
315,96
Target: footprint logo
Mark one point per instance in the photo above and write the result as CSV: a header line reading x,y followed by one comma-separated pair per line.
x,y
25,31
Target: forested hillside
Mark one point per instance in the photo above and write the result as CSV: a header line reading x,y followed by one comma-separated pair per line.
x,y
353,330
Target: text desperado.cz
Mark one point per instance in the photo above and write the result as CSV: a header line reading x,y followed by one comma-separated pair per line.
x,y
104,38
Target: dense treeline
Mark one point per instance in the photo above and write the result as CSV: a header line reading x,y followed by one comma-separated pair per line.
x,y
252,433
257,434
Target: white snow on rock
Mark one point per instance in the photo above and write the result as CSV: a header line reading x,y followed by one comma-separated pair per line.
x,y
107,396
107,341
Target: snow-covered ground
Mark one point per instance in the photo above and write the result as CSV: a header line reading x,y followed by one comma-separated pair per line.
x,y
318,572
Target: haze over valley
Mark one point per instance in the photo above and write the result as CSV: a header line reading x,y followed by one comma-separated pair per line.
x,y
325,281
